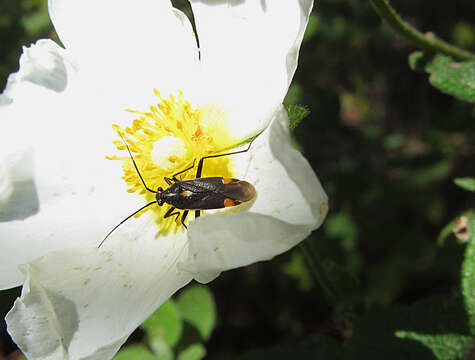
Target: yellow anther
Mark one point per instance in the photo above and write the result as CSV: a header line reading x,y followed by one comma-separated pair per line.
x,y
168,139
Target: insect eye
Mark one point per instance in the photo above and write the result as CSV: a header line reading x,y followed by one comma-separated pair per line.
x,y
159,196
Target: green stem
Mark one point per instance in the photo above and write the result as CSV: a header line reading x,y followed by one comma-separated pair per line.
x,y
313,260
426,41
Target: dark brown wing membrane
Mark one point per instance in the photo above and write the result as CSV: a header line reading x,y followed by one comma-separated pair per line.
x,y
213,193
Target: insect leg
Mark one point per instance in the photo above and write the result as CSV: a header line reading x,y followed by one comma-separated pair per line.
x,y
135,165
181,172
183,218
200,164
171,213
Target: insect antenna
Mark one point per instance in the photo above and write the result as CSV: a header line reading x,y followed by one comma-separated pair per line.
x,y
135,165
123,221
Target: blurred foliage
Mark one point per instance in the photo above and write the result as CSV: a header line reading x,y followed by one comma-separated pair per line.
x,y
387,147
463,34
177,329
466,183
412,332
468,269
318,347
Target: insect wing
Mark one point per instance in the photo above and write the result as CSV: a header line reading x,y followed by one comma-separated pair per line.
x,y
233,188
214,193
202,185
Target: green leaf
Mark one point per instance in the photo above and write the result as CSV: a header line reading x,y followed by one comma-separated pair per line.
x,y
135,353
164,324
418,61
193,352
196,306
466,183
296,114
457,79
450,77
444,346
468,273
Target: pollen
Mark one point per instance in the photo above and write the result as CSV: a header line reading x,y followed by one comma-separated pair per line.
x,y
168,139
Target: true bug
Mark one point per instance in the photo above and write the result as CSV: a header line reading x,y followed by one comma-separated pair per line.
x,y
195,194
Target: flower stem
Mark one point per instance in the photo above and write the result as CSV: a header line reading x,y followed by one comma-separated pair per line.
x,y
318,271
426,41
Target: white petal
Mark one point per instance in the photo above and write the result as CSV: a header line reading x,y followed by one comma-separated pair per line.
x,y
42,64
290,204
6,186
287,186
83,303
249,53
127,43
224,241
58,189
16,187
61,224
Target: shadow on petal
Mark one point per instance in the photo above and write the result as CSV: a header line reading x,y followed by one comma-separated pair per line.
x,y
226,241
22,202
298,168
43,317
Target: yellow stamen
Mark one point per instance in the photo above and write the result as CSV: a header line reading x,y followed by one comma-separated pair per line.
x,y
166,140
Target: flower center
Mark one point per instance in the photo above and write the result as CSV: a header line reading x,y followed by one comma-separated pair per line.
x,y
167,152
167,140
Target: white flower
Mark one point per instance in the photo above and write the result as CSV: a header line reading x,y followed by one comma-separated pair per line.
x,y
61,177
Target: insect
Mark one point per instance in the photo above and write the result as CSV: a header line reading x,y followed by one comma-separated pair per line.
x,y
195,194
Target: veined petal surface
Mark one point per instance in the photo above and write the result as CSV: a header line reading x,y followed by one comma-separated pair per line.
x,y
84,302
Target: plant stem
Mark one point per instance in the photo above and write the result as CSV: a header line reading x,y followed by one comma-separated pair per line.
x,y
314,261
426,41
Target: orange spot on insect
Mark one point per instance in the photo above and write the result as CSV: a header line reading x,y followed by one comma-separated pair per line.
x,y
186,193
229,202
226,181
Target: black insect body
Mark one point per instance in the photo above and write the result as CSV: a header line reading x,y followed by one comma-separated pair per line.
x,y
206,193
196,194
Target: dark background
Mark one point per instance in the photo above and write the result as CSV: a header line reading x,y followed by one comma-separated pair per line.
x,y
386,146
